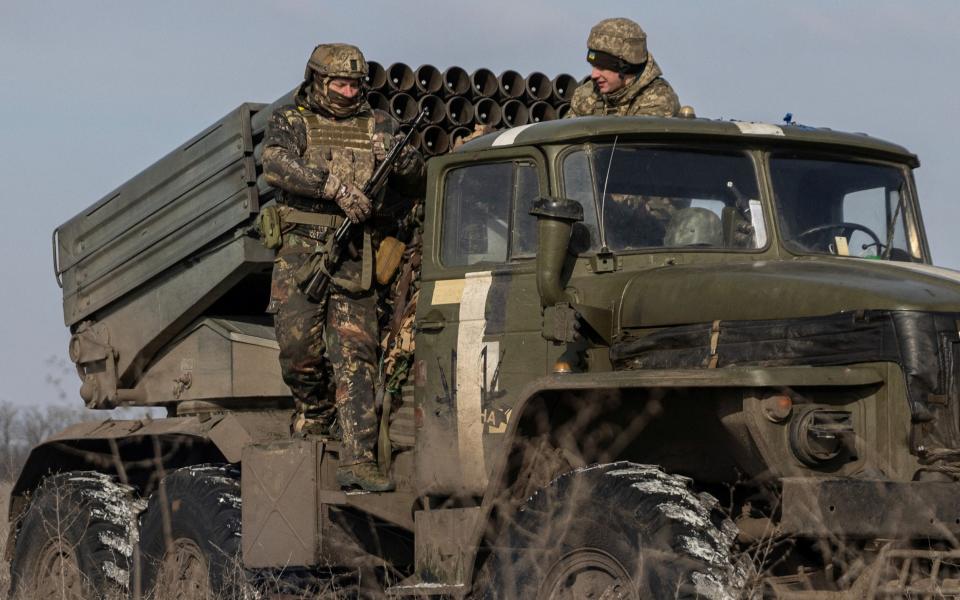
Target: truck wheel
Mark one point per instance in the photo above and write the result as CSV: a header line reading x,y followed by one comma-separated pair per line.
x,y
190,536
75,539
619,530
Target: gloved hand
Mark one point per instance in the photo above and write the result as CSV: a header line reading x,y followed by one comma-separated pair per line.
x,y
659,208
743,236
382,142
352,201
349,198
408,156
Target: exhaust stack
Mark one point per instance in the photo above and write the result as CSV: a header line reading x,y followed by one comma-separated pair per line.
x,y
555,219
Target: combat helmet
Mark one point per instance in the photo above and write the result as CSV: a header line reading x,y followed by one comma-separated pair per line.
x,y
694,226
336,60
620,38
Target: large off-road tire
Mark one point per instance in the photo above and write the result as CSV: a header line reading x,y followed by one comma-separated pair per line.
x,y
75,540
190,536
619,530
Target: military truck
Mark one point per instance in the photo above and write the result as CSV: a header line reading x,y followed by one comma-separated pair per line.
x,y
654,358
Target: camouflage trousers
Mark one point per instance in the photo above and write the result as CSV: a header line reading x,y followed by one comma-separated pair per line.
x,y
337,336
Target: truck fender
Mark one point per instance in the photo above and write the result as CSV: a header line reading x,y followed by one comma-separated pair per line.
x,y
137,451
541,395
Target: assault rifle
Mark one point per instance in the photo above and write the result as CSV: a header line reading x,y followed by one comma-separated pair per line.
x,y
317,286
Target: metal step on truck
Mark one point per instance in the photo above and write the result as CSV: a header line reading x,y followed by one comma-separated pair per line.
x,y
654,358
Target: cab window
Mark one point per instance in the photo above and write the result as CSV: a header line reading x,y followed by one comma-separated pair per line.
x,y
639,197
844,207
486,213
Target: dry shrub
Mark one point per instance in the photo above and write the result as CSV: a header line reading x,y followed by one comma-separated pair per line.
x,y
4,567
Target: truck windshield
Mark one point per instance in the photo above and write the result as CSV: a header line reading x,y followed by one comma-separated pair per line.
x,y
653,197
844,208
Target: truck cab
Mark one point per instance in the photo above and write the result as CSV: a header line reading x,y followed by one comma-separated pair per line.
x,y
644,348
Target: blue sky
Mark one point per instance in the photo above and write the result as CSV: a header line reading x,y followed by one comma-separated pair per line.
x,y
95,90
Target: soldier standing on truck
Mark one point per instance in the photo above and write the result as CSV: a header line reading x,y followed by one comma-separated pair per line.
x,y
625,80
319,153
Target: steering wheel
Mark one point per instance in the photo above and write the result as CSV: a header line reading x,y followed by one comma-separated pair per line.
x,y
843,229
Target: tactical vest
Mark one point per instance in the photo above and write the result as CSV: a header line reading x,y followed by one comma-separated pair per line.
x,y
343,147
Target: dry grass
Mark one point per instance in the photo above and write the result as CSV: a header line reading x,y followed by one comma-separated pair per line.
x,y
545,463
274,588
4,567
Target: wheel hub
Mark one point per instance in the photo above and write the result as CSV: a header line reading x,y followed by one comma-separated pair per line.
x,y
59,576
587,574
184,572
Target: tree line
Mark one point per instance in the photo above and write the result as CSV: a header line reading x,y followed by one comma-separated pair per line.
x,y
23,427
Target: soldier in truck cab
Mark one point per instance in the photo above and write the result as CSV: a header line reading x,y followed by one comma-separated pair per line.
x,y
625,80
319,153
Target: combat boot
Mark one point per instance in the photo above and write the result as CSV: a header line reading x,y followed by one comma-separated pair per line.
x,y
365,475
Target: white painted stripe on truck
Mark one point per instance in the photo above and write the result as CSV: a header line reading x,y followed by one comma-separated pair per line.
x,y
751,128
509,136
470,332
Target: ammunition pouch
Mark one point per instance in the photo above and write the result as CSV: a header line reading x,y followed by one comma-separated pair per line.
x,y
273,221
389,255
269,227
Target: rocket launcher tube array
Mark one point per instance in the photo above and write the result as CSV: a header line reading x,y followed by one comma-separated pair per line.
x,y
396,89
456,100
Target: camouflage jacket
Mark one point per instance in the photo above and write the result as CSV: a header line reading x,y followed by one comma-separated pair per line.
x,y
299,169
648,94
